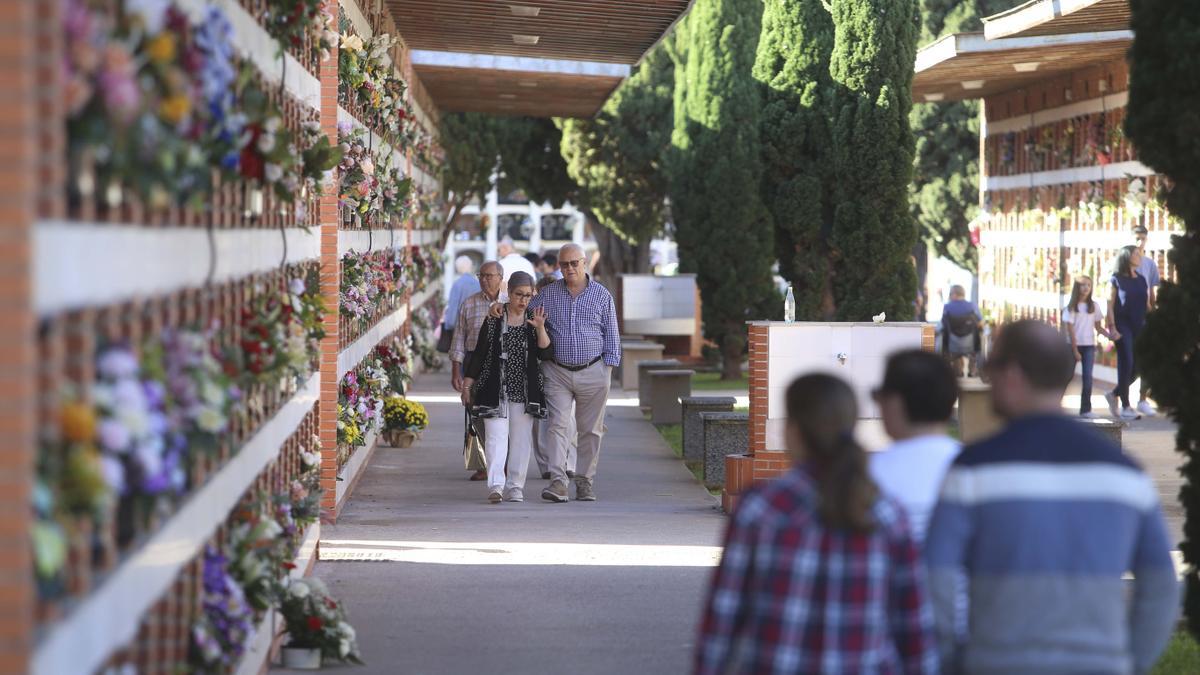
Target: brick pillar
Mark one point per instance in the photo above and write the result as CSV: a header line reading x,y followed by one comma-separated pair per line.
x,y
330,281
18,193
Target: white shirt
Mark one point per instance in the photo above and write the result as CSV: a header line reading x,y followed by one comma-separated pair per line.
x,y
911,471
1083,322
514,262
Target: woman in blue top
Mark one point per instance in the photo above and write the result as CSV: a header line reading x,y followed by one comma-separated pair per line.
x,y
1127,304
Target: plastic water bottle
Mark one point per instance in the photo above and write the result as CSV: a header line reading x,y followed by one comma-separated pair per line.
x,y
789,306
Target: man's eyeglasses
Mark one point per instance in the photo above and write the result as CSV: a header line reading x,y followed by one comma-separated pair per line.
x,y
570,263
490,275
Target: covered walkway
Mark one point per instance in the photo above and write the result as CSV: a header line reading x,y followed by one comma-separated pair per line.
x,y
439,581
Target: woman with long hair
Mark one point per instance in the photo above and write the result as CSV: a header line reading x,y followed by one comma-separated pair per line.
x,y
820,572
1082,319
1127,303
503,385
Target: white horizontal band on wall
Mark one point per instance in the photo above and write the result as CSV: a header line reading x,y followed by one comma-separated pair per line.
x,y
252,41
421,299
364,241
110,616
351,356
1079,174
357,19
1050,115
426,237
1022,297
1155,241
353,467
114,263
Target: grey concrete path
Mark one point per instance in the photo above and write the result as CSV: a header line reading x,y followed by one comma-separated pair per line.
x,y
438,581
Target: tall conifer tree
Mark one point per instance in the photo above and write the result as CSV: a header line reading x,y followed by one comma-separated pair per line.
x,y
723,229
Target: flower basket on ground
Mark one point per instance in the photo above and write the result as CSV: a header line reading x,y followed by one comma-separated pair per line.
x,y
403,421
315,621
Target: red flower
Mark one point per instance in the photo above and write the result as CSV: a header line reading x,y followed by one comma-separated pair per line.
x,y
289,566
314,623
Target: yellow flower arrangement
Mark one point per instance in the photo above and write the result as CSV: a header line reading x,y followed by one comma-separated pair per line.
x,y
401,413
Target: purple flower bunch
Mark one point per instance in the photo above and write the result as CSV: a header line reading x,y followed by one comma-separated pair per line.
x,y
225,626
140,454
201,394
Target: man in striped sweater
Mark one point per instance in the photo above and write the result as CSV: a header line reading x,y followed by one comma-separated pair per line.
x,y
1036,526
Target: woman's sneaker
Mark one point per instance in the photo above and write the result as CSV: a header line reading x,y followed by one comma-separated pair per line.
x,y
1112,403
1129,414
1089,415
1146,409
495,497
514,496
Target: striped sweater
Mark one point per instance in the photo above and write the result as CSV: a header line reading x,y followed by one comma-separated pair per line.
x,y
1039,524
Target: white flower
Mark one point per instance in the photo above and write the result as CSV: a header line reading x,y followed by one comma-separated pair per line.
x,y
210,420
350,41
297,286
343,648
880,317
272,172
117,363
266,143
272,124
299,589
346,630
310,458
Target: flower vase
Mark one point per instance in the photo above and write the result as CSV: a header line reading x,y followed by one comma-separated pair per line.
x,y
301,658
400,438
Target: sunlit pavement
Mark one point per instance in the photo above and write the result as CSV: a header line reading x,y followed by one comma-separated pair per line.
x,y
439,581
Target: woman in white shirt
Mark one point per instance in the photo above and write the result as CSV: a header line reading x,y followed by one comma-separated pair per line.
x,y
1082,319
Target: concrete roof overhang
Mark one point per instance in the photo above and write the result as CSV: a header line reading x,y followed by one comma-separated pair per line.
x,y
546,58
968,65
1058,17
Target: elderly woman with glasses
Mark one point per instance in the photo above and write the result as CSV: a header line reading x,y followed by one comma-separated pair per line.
x,y
504,386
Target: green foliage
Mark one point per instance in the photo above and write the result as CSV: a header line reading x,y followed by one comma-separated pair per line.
x,y
1161,121
616,157
471,152
531,160
793,66
944,193
723,228
875,44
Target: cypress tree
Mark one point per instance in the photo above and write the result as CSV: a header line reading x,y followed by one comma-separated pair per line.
x,y
793,66
723,229
875,44
1164,94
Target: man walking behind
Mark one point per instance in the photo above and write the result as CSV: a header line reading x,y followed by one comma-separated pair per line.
x,y
1148,270
582,320
464,286
1038,524
471,315
915,401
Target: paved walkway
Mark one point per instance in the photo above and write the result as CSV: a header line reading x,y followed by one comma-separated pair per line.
x,y
438,581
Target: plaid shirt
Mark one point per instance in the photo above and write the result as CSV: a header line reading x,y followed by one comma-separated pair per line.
x,y
466,330
792,596
583,327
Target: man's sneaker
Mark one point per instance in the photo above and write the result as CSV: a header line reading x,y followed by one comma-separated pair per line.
x,y
583,491
1129,414
495,497
514,495
1111,397
1089,415
555,492
1146,409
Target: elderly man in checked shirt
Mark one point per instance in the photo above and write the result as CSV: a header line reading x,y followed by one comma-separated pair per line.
x,y
581,318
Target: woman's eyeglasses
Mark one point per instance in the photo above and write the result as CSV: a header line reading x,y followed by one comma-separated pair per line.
x,y
522,296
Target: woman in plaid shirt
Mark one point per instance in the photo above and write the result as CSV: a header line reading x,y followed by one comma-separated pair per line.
x,y
820,573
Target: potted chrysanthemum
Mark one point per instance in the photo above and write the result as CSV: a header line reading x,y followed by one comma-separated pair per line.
x,y
316,627
403,421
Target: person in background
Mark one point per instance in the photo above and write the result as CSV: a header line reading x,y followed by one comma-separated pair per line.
x,y
1128,302
463,287
1082,318
916,401
503,385
512,262
961,321
1035,528
820,572
1149,271
543,440
471,315
550,266
536,261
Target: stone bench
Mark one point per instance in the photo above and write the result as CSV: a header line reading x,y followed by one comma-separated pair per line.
x,y
634,352
1110,428
725,433
643,384
667,387
693,427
